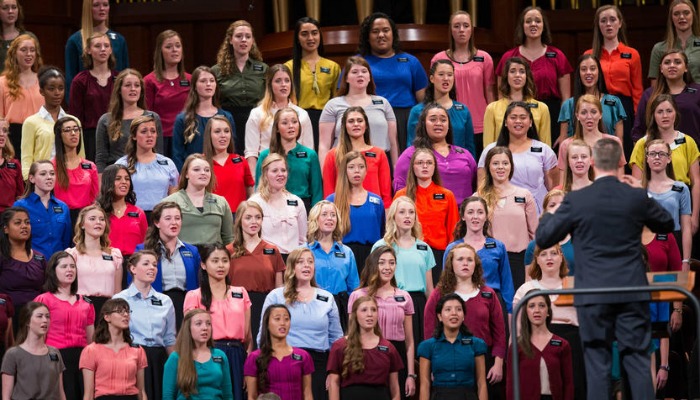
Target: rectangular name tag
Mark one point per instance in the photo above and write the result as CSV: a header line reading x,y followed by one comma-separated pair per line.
x,y
268,251
237,295
156,302
520,200
322,298
292,203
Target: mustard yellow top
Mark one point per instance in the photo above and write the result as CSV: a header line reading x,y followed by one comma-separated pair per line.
x,y
326,75
493,120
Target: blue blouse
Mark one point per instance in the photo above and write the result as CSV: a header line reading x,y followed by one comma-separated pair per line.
x,y
336,271
613,112
52,229
181,149
366,221
452,364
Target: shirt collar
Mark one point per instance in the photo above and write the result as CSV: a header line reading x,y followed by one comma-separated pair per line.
x,y
133,292
44,114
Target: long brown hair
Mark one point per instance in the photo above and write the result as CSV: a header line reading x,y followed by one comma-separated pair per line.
x,y
529,90
208,146
526,328
598,38
226,57
661,86
190,110
61,169
159,61
276,136
290,279
520,27
344,141
370,278
461,227
535,269
266,350
568,173
353,356
131,148
116,103
448,280
12,70
412,180
356,60
471,46
184,346
19,23
268,99
183,182
30,187
87,58
238,244
647,171
671,34
653,131
25,317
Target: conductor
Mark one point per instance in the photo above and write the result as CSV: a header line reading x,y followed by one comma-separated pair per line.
x,y
605,220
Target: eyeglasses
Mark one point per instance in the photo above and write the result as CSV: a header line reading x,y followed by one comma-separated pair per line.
x,y
122,311
657,154
424,163
74,129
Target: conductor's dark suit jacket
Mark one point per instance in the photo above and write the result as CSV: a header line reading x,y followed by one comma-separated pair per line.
x,y
605,220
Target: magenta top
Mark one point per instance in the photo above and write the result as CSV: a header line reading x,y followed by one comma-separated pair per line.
x,y
546,70
392,311
166,98
83,185
88,99
21,280
285,377
129,230
472,80
68,321
457,171
380,362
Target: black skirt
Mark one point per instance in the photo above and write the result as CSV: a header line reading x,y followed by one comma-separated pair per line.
x,y
402,115
156,357
257,299
453,393
571,334
341,300
400,346
361,252
178,298
314,116
97,303
90,146
365,392
419,301
318,378
517,268
16,139
72,377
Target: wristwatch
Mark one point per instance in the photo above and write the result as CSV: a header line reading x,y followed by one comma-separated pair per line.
x,y
414,376
666,368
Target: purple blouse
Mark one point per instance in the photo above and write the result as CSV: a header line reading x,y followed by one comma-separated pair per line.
x,y
285,377
688,102
457,171
21,280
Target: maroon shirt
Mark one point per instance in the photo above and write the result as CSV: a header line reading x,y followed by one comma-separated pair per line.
x,y
89,100
379,363
11,183
663,253
557,357
7,311
484,318
22,281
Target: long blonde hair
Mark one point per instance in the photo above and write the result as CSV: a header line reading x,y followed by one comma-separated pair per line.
x,y
191,128
342,190
116,103
238,238
290,279
268,99
86,22
313,232
264,184
184,346
487,189
12,70
79,237
392,231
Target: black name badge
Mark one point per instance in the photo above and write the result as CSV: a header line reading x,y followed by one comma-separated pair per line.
x,y
535,149
555,342
107,257
467,341
662,237
184,83
296,357
423,247
87,299
237,295
292,203
133,214
399,299
53,356
690,90
402,59
486,295
162,162
325,70
257,67
39,257
2,301
679,141
490,245
383,349
156,302
11,165
478,59
186,253
550,54
302,154
627,56
520,200
218,359
439,196
458,106
339,254
236,160
458,149
85,165
57,210
609,102
268,252
370,154
377,102
322,298
677,188
532,105
696,43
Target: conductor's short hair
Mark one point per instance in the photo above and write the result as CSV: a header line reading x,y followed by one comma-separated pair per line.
x,y
606,154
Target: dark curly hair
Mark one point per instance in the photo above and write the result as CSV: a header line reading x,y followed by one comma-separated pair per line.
x,y
106,195
364,47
